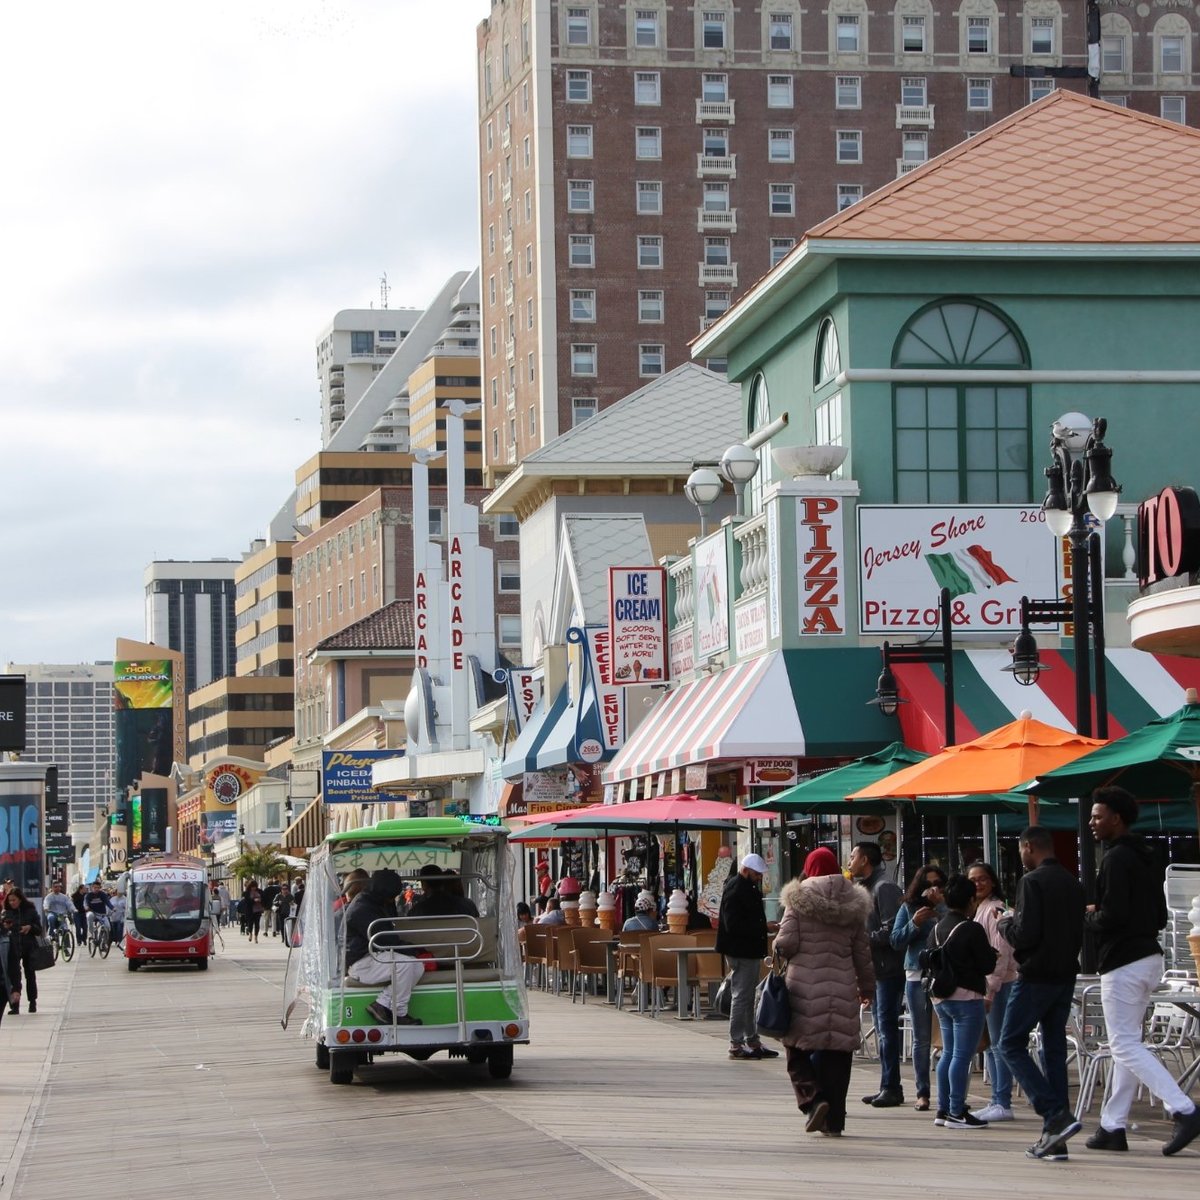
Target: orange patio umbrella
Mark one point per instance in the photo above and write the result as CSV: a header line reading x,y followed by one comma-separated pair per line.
x,y
996,762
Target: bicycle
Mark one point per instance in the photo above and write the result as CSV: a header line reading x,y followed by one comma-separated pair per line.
x,y
63,941
99,939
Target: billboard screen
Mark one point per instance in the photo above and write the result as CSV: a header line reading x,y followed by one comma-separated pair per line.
x,y
143,720
12,712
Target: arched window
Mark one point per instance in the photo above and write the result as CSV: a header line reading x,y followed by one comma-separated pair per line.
x,y
827,364
760,416
961,442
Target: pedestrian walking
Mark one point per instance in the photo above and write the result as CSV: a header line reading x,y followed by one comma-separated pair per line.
x,y
742,929
989,909
282,908
1045,932
226,904
1129,912
19,916
10,968
823,937
969,957
866,866
252,902
922,909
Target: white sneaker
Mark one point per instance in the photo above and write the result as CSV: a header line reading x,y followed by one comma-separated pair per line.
x,y
992,1113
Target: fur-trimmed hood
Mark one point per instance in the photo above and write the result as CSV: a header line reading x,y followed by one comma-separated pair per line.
x,y
830,899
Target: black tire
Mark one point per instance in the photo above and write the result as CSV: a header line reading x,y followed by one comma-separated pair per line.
x,y
132,964
202,963
54,945
91,945
105,943
341,1067
500,1062
68,945
322,1057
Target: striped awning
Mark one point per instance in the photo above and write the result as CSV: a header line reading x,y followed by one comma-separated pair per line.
x,y
521,756
1141,687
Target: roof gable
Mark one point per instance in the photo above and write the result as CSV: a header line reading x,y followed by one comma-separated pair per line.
x,y
389,628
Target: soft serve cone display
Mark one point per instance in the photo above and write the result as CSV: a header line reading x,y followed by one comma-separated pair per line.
x,y
587,909
677,911
606,911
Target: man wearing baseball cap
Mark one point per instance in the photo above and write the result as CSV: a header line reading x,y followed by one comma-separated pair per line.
x,y
742,938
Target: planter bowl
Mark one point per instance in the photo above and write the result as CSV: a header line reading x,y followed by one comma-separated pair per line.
x,y
805,461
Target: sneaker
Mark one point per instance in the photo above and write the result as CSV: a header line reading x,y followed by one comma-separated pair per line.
x,y
33,1006
941,1118
1107,1139
816,1116
405,1019
1187,1129
758,1050
888,1100
1058,1128
964,1120
831,1133
992,1113
871,1098
741,1052
377,1012
1056,1152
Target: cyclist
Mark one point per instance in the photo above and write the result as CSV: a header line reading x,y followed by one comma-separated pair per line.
x,y
58,908
117,917
96,904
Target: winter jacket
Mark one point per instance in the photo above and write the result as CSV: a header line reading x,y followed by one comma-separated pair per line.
x,y
910,937
742,928
969,952
886,898
13,919
987,917
1131,906
377,903
823,936
1046,930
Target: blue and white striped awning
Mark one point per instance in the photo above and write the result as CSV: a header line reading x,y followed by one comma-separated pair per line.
x,y
522,755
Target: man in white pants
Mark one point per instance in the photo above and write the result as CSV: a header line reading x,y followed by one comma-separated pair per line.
x,y
396,967
1130,910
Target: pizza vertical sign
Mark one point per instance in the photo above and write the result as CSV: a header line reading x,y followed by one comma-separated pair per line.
x,y
637,622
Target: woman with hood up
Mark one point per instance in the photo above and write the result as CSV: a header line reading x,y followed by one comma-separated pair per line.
x,y
823,937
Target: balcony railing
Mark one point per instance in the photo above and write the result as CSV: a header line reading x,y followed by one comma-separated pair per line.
x,y
506,191
712,164
507,241
510,349
506,137
511,400
714,110
904,165
707,218
715,274
685,591
508,297
914,114
751,537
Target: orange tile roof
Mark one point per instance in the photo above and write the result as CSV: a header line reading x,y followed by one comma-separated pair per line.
x,y
1065,169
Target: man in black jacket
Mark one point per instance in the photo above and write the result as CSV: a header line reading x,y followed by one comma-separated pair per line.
x,y
742,938
393,962
1045,931
1130,910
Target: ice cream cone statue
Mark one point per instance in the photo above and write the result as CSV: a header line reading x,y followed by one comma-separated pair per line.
x,y
587,909
606,911
568,893
677,911
709,902
1194,936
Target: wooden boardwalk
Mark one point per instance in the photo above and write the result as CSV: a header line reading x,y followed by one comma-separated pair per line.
x,y
170,1082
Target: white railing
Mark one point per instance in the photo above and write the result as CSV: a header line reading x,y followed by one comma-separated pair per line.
x,y
903,166
714,110
711,164
506,191
754,574
685,591
506,137
511,400
707,218
507,242
914,114
510,349
711,274
508,297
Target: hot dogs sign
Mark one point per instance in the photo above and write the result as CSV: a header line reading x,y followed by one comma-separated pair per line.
x,y
637,619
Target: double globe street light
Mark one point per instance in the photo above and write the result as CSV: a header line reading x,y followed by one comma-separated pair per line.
x,y
738,465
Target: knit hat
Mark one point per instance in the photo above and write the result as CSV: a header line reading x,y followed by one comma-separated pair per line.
x,y
820,862
645,902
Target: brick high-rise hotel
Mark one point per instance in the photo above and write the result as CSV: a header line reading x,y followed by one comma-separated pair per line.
x,y
644,162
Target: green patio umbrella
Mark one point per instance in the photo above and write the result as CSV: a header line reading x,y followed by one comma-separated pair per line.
x,y
1160,761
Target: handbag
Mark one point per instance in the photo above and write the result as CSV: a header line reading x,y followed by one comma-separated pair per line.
x,y
42,957
938,977
723,1000
773,1017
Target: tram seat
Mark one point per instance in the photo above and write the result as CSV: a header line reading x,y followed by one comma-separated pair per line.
x,y
458,933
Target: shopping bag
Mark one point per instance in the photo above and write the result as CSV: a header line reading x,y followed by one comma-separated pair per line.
x,y
774,1014
43,954
723,1000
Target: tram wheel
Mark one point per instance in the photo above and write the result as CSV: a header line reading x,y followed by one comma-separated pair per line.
x,y
202,963
132,964
341,1067
500,1062
322,1057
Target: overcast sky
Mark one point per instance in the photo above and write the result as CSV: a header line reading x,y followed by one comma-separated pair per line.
x,y
191,192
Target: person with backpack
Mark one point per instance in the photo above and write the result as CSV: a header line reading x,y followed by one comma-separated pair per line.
x,y
958,959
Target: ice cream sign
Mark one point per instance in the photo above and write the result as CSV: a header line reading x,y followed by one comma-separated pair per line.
x,y
637,622
989,556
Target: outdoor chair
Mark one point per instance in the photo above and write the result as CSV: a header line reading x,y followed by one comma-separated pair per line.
x,y
705,972
536,964
661,969
589,947
629,963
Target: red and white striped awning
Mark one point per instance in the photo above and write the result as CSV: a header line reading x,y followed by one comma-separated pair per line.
x,y
746,711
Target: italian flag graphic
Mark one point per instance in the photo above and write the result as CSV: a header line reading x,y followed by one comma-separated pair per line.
x,y
967,571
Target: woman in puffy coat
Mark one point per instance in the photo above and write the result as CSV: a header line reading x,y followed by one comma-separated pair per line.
x,y
823,937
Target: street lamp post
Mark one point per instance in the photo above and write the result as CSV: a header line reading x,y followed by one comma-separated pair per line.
x,y
887,694
739,464
703,488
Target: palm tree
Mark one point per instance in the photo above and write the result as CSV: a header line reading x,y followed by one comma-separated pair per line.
x,y
259,862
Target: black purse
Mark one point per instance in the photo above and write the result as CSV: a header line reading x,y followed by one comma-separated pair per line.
x,y
774,1015
42,957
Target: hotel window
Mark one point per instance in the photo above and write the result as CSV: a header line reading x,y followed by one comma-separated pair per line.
x,y
1170,55
913,92
495,391
647,87
650,307
1119,101
783,200
579,27
495,444
716,143
528,260
529,367
649,252
509,575
318,609
341,600
979,35
579,141
848,93
912,35
1039,88
716,252
716,197
650,359
649,198
712,31
582,251
914,147
780,248
493,340
779,91
966,442
492,250
1112,56
649,141
781,145
533,422
645,29
529,313
716,304
583,408
528,205
779,31
583,304
489,135
714,89
848,194
525,153
491,187
848,39
979,94
1041,35
1173,108
579,87
492,289
849,145
509,627
437,522
579,196
583,358
507,526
